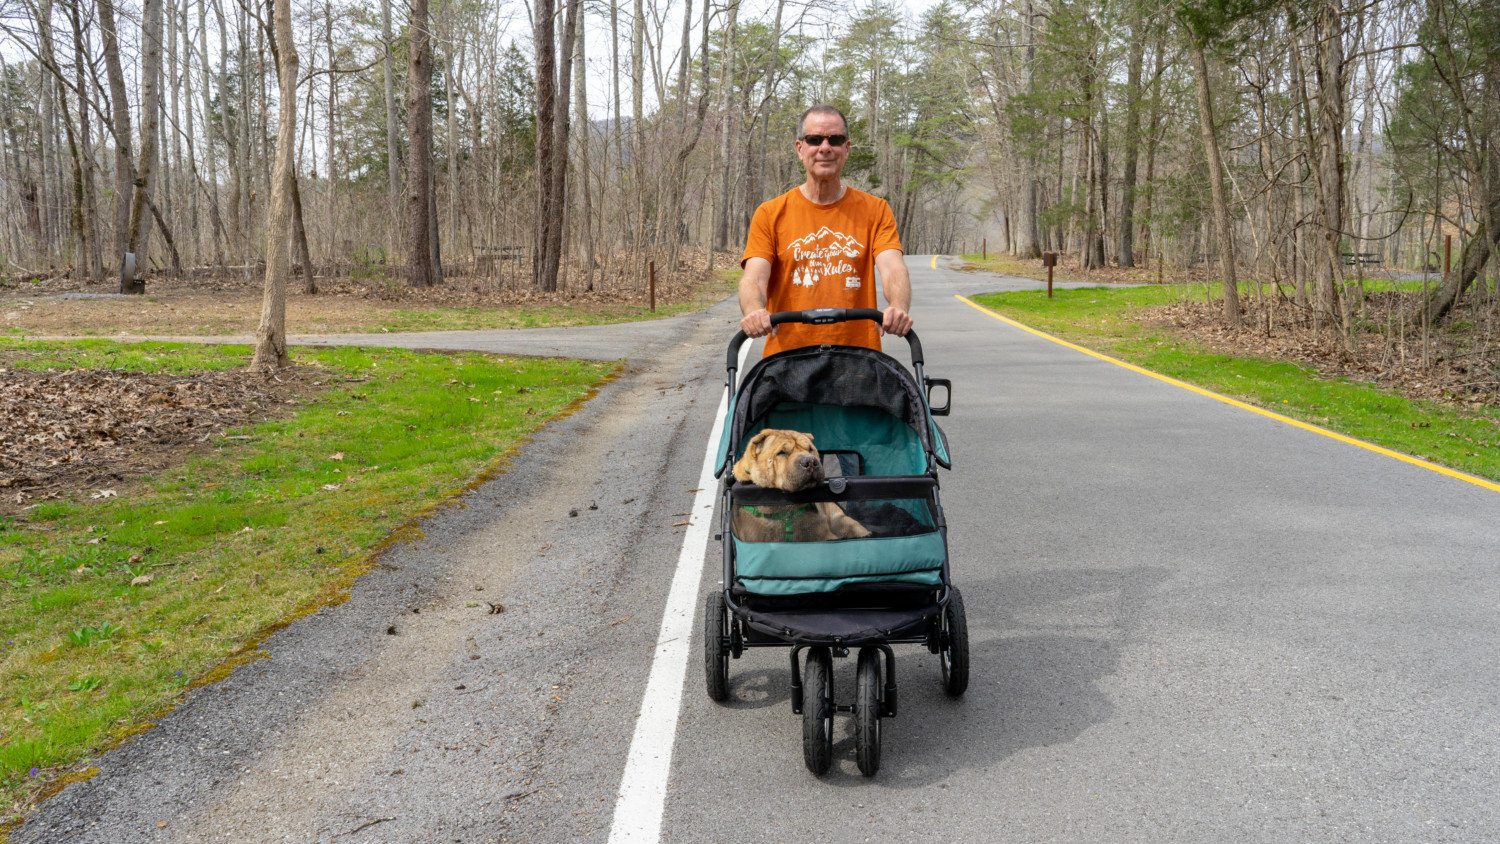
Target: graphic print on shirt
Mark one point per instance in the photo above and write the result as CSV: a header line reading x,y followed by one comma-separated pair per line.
x,y
825,254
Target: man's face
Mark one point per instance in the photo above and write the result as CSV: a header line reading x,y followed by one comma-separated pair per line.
x,y
823,161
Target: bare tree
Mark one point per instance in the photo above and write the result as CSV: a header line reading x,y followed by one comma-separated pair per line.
x,y
270,337
420,266
144,182
1220,199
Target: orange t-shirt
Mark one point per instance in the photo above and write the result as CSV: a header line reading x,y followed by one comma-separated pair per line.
x,y
822,256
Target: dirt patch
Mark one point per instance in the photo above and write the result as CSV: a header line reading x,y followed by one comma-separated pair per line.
x,y
80,433
1458,364
215,303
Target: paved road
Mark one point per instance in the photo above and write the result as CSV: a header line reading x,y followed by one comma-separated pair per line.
x,y
1189,622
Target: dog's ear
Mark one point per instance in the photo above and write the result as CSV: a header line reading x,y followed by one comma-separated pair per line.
x,y
757,442
742,468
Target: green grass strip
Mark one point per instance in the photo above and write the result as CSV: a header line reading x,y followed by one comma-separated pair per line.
x,y
241,537
1103,319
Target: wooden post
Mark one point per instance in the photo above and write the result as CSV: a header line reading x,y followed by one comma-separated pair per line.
x,y
1050,259
984,249
653,287
1447,253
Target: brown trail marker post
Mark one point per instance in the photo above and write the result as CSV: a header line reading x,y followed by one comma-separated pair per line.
x,y
653,287
1050,260
1447,253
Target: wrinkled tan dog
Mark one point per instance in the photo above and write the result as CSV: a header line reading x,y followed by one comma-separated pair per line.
x,y
786,460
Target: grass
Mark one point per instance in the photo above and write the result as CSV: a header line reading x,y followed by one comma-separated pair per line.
x,y
1101,319
110,609
482,318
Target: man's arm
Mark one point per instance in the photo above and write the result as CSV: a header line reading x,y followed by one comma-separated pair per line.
x,y
755,287
896,284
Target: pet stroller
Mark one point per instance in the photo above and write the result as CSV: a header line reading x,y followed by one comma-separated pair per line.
x,y
872,423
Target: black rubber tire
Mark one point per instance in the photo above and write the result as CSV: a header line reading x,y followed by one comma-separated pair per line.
x,y
817,711
715,653
869,688
954,654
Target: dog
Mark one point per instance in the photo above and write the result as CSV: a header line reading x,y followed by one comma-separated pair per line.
x,y
787,460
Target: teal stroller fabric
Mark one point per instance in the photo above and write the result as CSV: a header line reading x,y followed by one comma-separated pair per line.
x,y
853,401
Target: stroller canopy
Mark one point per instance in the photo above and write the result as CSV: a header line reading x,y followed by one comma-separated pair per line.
x,y
877,388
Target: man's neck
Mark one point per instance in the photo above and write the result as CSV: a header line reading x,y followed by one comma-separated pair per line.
x,y
823,192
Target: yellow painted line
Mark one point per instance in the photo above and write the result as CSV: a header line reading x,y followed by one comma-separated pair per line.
x,y
1269,414
934,262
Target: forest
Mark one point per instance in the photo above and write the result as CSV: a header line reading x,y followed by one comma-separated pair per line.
x,y
1286,149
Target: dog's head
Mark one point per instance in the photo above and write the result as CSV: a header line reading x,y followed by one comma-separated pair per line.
x,y
784,460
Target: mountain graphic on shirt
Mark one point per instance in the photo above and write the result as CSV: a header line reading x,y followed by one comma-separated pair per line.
x,y
824,254
825,243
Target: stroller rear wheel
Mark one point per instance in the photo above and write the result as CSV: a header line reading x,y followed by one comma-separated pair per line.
x,y
817,711
868,706
954,653
715,648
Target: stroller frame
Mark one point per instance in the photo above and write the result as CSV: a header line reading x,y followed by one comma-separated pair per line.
x,y
918,606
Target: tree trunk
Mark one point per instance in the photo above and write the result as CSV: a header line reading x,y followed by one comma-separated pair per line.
x,y
557,226
331,148
1216,184
1330,157
544,41
95,266
210,156
392,155
637,117
419,202
270,337
1126,249
120,109
186,51
585,170
299,240
145,175
726,130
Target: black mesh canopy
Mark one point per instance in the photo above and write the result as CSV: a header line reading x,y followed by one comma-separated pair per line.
x,y
843,376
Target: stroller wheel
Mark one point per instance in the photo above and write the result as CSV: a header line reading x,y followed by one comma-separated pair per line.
x,y
817,711
868,707
715,651
954,653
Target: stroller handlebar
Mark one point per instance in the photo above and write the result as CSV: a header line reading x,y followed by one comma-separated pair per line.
x,y
823,316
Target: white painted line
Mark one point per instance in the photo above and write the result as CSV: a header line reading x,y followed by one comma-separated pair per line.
x,y
643,789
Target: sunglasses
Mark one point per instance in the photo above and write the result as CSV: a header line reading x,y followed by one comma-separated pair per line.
x,y
817,140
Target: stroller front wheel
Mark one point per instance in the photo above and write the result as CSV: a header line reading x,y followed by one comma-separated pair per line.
x,y
868,706
817,711
954,651
715,648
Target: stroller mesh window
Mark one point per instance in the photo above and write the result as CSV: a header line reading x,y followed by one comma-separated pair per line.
x,y
840,376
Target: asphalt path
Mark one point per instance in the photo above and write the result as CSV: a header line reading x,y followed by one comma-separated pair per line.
x,y
1188,622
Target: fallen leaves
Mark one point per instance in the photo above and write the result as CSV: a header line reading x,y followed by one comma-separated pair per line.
x,y
59,430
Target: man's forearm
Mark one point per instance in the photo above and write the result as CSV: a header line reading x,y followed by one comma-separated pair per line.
x,y
897,287
752,298
755,285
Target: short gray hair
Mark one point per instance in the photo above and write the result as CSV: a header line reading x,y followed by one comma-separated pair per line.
x,y
821,108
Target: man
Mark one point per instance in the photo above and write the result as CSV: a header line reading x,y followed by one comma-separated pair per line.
x,y
818,246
